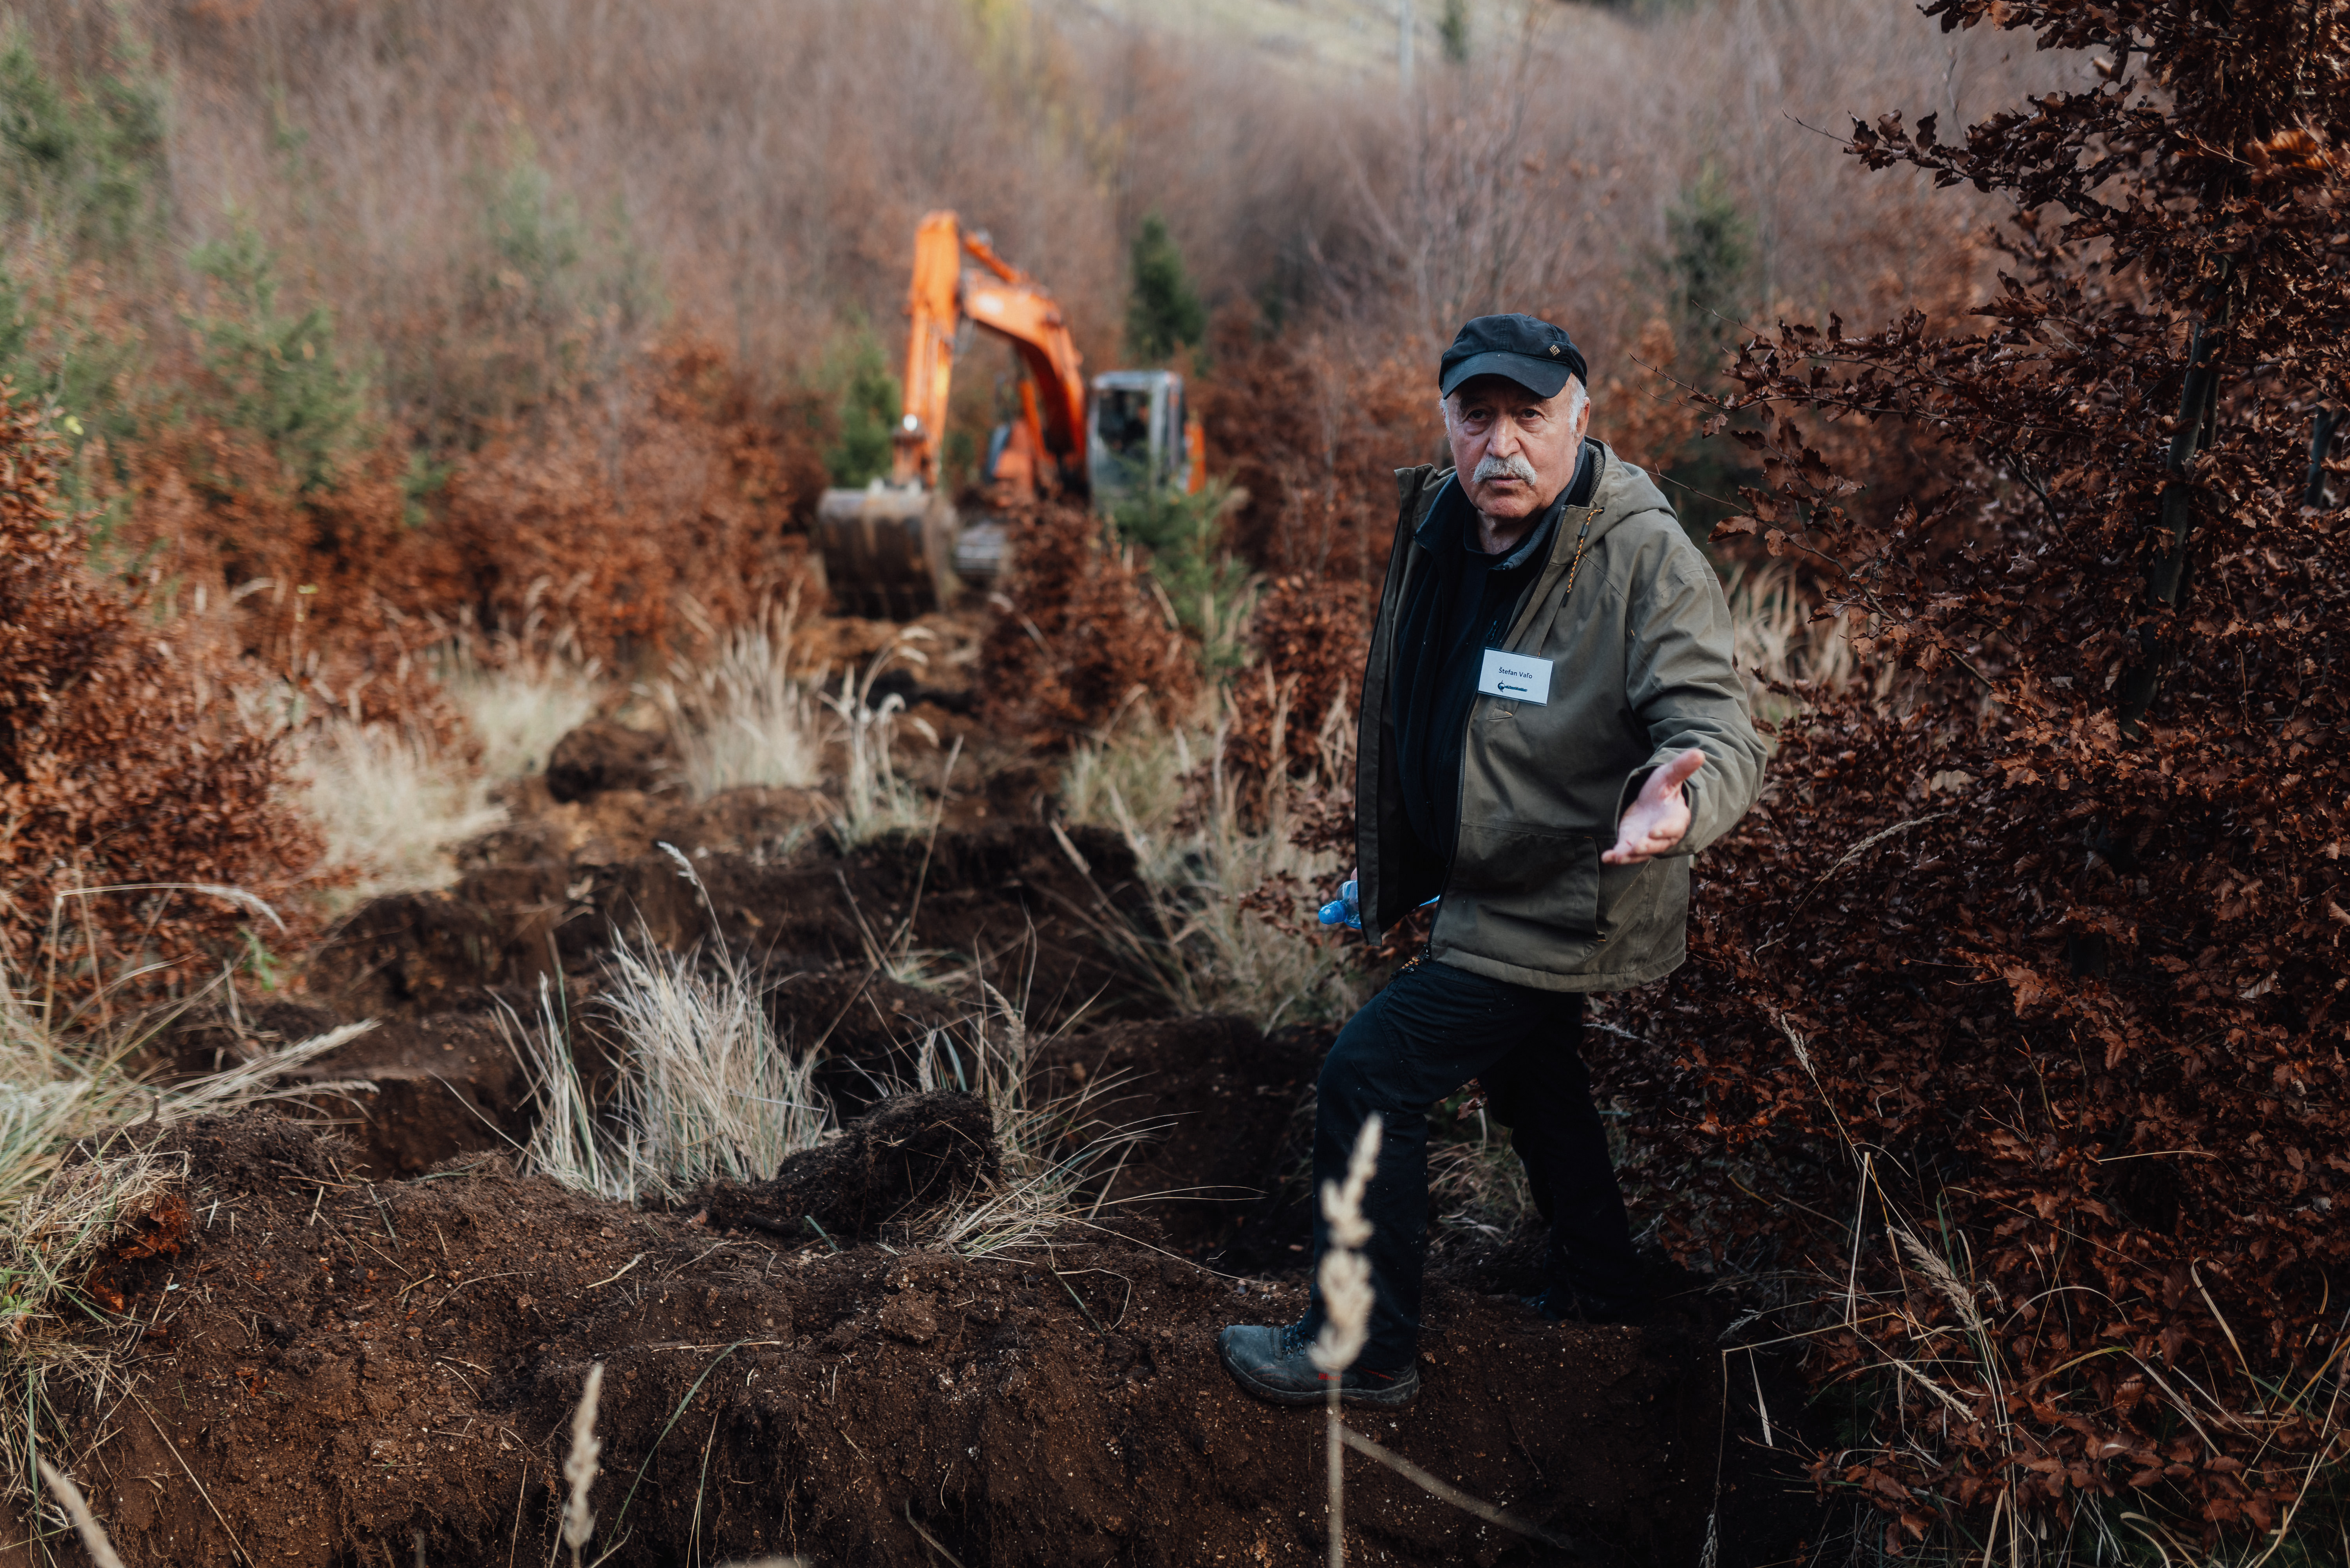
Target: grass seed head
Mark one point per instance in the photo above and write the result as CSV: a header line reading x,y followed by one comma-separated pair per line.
x,y
93,1536
579,1466
1345,1274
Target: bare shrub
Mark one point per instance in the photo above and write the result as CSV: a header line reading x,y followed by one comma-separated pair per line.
x,y
116,772
2040,921
1312,636
1080,634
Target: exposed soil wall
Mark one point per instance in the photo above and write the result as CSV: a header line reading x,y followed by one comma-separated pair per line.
x,y
349,1365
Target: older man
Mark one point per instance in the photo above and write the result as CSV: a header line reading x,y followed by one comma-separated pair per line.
x,y
1551,726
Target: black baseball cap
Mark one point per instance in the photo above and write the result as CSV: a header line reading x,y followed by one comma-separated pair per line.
x,y
1526,349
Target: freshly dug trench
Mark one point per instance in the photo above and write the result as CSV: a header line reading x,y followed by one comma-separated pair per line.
x,y
443,1084
345,1368
887,1169
1010,897
868,1029
601,755
1222,1095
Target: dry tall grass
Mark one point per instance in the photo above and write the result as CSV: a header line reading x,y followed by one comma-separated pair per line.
x,y
76,1188
517,706
1169,790
701,1088
873,799
1060,1154
743,715
1345,1277
392,805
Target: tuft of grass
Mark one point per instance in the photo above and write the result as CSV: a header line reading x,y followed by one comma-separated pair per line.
x,y
394,808
873,799
745,716
520,703
705,1087
1201,851
1476,1183
1059,1155
701,1088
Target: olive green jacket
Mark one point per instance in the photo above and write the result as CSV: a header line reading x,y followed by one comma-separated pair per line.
x,y
1641,671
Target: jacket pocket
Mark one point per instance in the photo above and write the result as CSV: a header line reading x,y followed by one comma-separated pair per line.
x,y
1547,879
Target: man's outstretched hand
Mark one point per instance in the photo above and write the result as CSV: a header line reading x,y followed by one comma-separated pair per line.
x,y
1659,816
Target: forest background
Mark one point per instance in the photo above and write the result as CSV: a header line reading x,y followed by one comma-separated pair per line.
x,y
357,344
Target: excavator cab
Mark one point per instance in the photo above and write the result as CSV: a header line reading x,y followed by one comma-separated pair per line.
x,y
1137,435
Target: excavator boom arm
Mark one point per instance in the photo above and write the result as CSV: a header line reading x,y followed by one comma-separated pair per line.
x,y
1006,300
933,308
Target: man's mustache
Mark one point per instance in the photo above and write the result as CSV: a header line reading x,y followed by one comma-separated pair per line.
x,y
1513,466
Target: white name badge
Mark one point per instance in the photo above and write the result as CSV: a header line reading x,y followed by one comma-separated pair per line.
x,y
1515,676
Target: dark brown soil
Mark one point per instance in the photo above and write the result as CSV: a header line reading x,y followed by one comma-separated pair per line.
x,y
618,826
350,1366
368,1344
886,1171
603,755
1222,1095
1011,899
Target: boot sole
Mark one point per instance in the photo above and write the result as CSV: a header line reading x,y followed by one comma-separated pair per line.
x,y
1394,1398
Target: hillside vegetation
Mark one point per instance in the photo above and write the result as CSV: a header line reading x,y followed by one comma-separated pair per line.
x,y
400,395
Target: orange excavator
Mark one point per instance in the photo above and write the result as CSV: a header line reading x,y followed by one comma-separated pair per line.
x,y
896,548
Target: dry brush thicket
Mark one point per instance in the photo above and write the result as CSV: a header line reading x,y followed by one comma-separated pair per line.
x,y
2029,967
131,796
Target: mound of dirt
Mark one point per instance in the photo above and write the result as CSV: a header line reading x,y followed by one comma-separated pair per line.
x,y
1222,1097
622,824
1013,898
601,755
887,1169
346,1372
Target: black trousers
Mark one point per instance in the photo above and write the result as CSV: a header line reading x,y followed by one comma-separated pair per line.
x,y
1429,1031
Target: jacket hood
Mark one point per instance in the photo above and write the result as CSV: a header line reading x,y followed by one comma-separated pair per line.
x,y
1625,491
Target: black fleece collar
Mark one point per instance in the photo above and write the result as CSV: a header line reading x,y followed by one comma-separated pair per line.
x,y
1449,512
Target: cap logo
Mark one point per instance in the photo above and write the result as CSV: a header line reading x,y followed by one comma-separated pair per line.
x,y
1553,350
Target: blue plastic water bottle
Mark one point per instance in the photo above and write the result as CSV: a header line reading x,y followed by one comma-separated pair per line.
x,y
1344,910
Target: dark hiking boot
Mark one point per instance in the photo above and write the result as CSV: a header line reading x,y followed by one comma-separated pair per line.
x,y
1272,1364
1564,1303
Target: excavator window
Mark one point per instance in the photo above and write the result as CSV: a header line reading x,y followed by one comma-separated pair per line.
x,y
1122,419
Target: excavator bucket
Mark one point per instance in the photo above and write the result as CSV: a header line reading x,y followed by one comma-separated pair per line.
x,y
888,550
